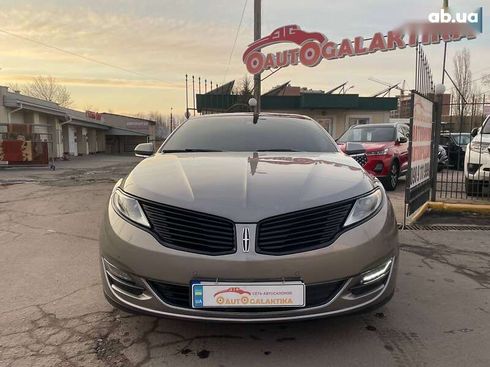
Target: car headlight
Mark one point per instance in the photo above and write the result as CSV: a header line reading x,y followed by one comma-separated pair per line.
x,y
128,207
478,146
378,152
364,207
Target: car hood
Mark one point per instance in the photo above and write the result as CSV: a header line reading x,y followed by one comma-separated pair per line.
x,y
371,147
247,187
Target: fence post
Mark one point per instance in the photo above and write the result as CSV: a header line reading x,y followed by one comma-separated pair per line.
x,y
439,94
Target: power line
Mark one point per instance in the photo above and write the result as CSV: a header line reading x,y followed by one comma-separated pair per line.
x,y
86,58
235,41
475,80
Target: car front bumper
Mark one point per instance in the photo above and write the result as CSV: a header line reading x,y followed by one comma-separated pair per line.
x,y
138,254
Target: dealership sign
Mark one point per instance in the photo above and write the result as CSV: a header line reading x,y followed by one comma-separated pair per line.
x,y
314,46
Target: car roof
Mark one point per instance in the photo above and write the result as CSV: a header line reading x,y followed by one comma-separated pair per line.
x,y
383,124
251,114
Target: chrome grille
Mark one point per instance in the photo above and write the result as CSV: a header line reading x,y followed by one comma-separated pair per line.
x,y
303,230
190,231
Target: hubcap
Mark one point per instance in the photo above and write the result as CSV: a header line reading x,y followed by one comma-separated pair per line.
x,y
394,176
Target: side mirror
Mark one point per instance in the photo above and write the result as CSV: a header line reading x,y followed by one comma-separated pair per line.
x,y
474,132
352,148
402,139
143,150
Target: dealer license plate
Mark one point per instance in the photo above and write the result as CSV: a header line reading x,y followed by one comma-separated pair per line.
x,y
248,295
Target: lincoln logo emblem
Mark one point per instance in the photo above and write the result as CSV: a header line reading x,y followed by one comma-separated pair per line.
x,y
246,239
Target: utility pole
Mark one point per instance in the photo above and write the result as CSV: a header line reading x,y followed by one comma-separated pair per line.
x,y
257,32
445,7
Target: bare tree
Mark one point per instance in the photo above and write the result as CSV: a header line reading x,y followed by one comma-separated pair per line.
x,y
486,80
162,127
47,88
244,87
463,80
15,87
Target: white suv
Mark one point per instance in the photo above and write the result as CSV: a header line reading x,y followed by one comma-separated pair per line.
x,y
477,160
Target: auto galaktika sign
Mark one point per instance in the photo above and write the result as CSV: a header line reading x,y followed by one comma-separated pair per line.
x,y
314,46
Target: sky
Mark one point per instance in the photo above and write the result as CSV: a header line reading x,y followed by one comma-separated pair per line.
x,y
144,48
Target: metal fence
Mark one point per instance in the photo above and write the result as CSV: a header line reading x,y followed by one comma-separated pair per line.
x,y
464,172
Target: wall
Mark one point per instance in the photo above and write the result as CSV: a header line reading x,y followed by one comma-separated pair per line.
x,y
130,123
101,141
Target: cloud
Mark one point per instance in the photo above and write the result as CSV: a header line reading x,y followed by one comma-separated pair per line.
x,y
100,82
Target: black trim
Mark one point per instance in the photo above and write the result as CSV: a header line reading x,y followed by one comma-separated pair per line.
x,y
342,231
150,231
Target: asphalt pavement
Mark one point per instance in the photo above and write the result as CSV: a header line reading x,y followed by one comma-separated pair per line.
x,y
53,313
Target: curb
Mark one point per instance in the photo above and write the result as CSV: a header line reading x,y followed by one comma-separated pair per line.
x,y
453,207
441,206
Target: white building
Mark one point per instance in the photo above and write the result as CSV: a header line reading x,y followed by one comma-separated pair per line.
x,y
31,127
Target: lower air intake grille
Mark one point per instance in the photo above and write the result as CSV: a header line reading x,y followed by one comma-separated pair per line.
x,y
179,295
190,231
303,230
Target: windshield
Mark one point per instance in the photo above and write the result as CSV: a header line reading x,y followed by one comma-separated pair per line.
x,y
486,126
462,139
240,134
368,134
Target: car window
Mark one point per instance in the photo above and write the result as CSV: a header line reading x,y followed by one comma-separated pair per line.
x,y
462,139
241,134
406,131
400,132
486,127
368,134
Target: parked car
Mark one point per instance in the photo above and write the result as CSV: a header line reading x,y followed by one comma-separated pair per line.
x,y
386,149
477,160
243,218
442,159
455,146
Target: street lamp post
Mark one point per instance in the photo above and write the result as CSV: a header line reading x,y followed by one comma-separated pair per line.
x,y
257,35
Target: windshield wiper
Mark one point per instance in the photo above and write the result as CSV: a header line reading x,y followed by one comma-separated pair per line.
x,y
276,150
190,150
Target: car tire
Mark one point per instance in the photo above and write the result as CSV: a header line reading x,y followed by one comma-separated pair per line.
x,y
473,188
390,182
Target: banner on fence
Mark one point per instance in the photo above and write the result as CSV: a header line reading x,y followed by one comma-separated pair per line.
x,y
420,147
421,133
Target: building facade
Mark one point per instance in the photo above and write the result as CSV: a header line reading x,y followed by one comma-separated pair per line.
x,y
36,131
335,112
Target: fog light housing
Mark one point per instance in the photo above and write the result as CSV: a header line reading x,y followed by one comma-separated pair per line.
x,y
116,272
122,282
377,273
379,167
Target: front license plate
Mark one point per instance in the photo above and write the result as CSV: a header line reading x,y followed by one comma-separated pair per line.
x,y
248,295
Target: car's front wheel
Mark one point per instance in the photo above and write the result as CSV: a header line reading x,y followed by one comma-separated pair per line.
x,y
390,182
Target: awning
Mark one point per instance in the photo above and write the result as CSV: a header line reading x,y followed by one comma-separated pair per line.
x,y
124,132
89,124
32,104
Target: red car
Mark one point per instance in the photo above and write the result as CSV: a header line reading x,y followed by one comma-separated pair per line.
x,y
386,149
